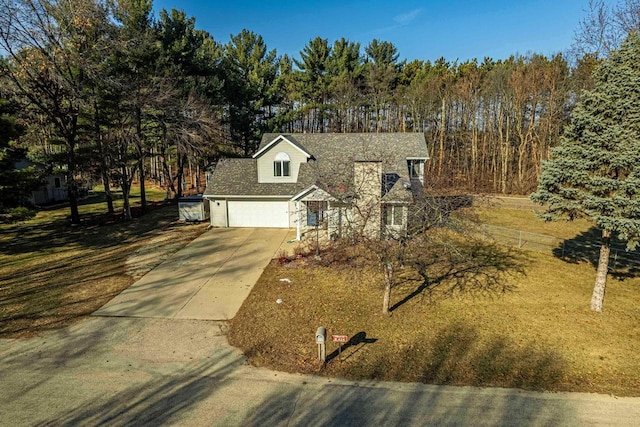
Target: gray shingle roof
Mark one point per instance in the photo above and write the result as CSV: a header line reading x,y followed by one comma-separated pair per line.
x,y
398,193
332,169
240,177
336,148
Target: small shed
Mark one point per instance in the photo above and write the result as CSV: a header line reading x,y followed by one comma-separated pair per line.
x,y
193,208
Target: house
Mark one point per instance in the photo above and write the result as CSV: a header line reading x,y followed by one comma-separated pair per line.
x,y
53,188
335,182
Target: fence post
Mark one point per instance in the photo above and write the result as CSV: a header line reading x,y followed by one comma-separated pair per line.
x,y
520,238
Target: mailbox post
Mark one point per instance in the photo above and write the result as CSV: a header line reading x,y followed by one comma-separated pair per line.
x,y
321,338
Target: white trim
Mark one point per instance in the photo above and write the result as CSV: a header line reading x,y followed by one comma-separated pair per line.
x,y
298,221
314,188
275,141
231,197
417,158
305,192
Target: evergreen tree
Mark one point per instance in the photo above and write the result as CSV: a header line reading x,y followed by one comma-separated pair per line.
x,y
345,66
595,171
15,184
250,71
382,73
314,81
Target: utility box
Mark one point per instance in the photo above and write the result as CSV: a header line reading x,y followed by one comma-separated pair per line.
x,y
193,208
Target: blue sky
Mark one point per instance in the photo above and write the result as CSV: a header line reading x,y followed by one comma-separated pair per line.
x,y
426,30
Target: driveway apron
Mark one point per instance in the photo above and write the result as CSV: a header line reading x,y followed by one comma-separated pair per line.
x,y
207,280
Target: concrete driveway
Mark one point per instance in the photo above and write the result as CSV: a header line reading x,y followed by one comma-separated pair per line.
x,y
206,280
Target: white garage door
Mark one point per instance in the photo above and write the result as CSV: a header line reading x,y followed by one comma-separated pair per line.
x,y
258,214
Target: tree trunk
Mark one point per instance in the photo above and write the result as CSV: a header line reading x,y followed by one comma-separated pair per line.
x,y
386,299
72,195
597,298
141,158
168,178
126,190
143,191
180,174
72,185
441,141
107,191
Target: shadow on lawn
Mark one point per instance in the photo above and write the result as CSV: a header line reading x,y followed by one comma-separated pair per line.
x,y
458,357
475,267
585,247
354,341
459,354
96,230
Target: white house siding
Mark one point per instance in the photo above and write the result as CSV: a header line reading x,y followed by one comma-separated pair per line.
x,y
293,214
49,192
218,212
265,163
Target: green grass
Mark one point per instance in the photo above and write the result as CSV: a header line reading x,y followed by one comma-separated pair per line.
x,y
52,274
541,336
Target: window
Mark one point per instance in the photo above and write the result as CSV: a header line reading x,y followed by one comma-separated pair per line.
x,y
394,215
56,182
281,165
316,212
415,167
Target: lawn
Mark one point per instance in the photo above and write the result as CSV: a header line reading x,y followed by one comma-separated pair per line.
x,y
527,220
539,336
52,274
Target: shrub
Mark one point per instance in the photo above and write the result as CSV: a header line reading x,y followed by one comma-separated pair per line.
x,y
21,213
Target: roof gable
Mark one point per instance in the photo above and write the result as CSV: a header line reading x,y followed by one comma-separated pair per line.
x,y
277,140
313,193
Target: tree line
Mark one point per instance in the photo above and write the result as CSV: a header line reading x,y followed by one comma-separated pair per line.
x,y
107,90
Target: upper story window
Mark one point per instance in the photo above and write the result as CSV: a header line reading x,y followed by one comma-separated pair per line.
x,y
282,165
415,168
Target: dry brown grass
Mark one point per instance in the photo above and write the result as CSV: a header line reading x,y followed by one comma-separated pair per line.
x,y
527,220
52,274
541,336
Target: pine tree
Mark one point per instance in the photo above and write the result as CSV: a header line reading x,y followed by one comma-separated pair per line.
x,y
251,71
15,184
595,171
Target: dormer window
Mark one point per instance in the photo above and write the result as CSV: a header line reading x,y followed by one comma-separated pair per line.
x,y
281,165
416,169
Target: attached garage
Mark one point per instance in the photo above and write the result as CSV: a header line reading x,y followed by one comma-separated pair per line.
x,y
271,214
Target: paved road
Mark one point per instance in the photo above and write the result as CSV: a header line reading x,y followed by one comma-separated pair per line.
x,y
145,371
150,359
208,279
